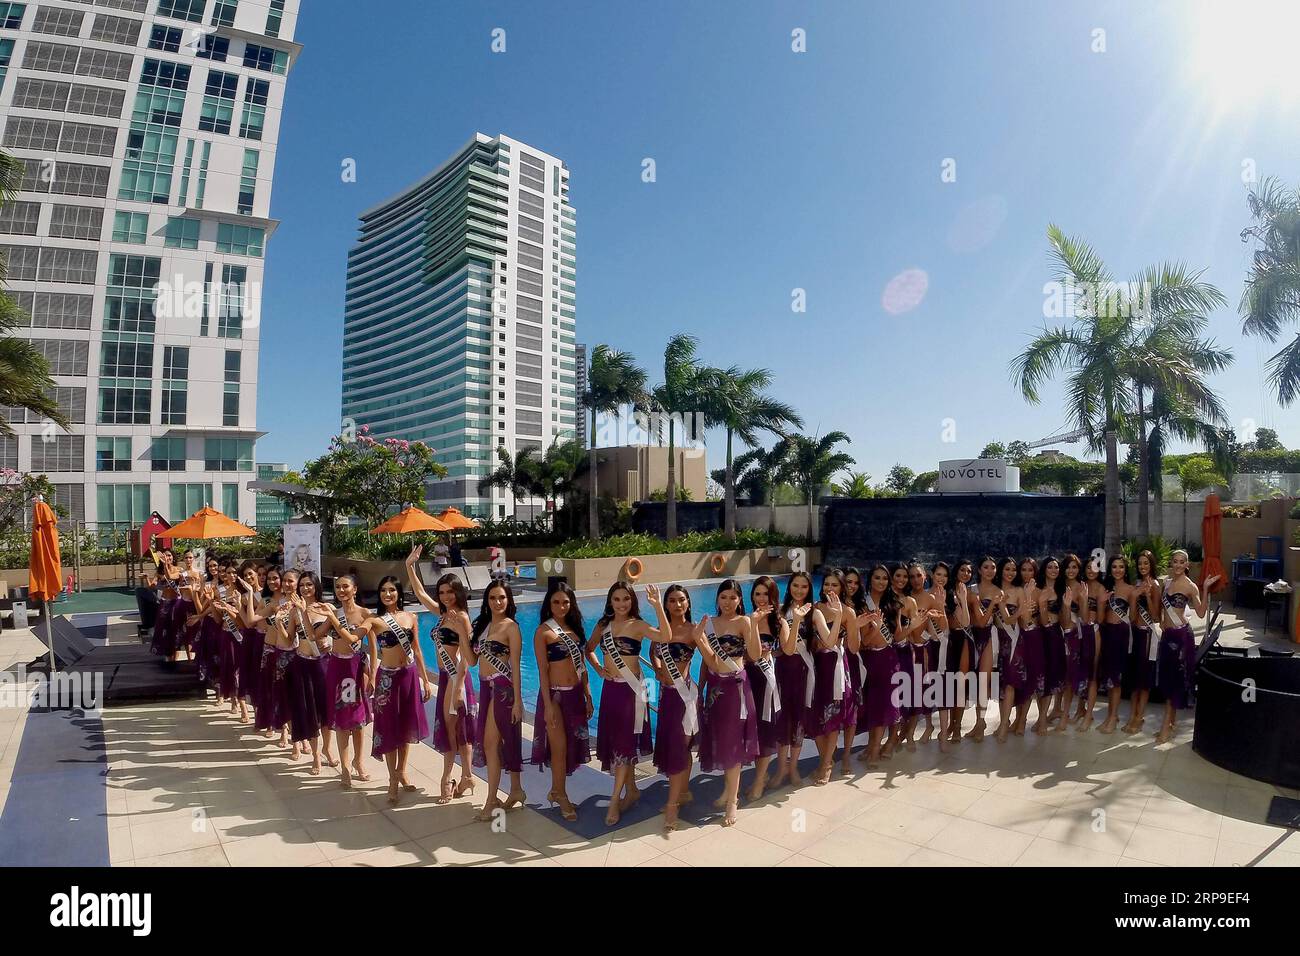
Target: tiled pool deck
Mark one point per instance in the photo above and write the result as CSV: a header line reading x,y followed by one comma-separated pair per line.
x,y
185,784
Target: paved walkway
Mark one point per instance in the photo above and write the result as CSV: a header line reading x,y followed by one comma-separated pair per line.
x,y
187,785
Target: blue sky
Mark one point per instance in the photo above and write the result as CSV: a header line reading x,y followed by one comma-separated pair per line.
x,y
778,170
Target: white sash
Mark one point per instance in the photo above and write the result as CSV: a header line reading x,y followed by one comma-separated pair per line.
x,y
400,633
448,663
801,648
570,645
942,638
716,647
1012,629
685,690
230,623
1119,607
771,693
1174,612
502,667
1153,644
993,632
625,673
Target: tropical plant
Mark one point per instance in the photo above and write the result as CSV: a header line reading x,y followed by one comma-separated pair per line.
x,y
1159,547
514,473
737,402
857,484
637,544
25,381
1196,474
363,478
756,474
17,492
1123,341
809,464
613,381
678,398
1271,297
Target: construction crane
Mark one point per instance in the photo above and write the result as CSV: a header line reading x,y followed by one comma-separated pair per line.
x,y
1060,438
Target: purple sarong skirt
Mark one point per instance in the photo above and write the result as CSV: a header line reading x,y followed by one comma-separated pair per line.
x,y
826,714
345,689
880,665
1176,666
982,636
208,653
1034,639
911,661
672,752
1114,656
1013,666
1143,669
466,716
231,648
497,697
617,742
250,670
791,677
164,629
272,694
1054,660
308,699
767,729
570,704
1089,651
728,739
852,695
399,710
1077,672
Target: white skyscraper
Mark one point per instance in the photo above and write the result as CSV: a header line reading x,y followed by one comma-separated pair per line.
x,y
147,130
459,327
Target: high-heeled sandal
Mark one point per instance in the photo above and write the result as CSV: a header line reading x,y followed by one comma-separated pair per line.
x,y
612,814
346,778
487,813
515,798
670,817
567,810
393,795
445,792
464,785
409,787
626,803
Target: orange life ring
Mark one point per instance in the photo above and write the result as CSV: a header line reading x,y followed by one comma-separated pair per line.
x,y
633,568
719,564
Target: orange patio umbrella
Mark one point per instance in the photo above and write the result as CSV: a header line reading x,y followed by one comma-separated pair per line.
x,y
209,523
1212,543
45,579
455,520
410,519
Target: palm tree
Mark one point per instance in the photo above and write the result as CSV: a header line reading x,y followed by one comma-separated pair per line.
x,y
810,463
553,476
613,381
681,395
1196,474
1104,352
1272,293
856,485
737,403
514,474
756,474
25,380
1170,337
1172,417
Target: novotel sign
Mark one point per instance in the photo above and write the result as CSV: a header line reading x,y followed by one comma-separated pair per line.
x,y
978,475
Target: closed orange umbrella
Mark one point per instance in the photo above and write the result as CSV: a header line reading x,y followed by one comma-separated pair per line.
x,y
408,520
1212,544
209,523
455,520
46,570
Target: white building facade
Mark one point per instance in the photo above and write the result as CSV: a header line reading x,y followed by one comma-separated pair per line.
x,y
460,316
136,244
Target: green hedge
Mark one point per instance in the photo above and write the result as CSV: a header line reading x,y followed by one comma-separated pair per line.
x,y
636,545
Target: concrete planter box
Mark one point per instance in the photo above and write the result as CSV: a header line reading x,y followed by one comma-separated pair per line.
x,y
599,573
90,574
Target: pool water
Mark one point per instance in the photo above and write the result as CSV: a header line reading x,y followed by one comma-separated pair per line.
x,y
703,601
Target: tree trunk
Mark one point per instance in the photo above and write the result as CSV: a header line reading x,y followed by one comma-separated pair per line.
x,y
771,508
1158,511
1184,516
671,500
1144,474
1112,538
593,513
729,497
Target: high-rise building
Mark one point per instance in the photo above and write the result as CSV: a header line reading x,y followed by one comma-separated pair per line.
x,y
459,325
271,511
580,360
147,131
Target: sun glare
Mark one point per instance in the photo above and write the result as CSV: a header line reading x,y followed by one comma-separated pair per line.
x,y
1243,52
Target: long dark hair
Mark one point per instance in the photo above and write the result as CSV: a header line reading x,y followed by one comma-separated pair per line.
x,y
607,615
1151,563
458,589
485,612
949,598
1109,581
315,583
1059,586
379,601
731,584
673,589
888,600
859,598
572,620
1001,576
789,591
773,616
832,574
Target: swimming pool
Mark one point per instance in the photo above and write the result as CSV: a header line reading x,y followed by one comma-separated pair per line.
x,y
529,617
